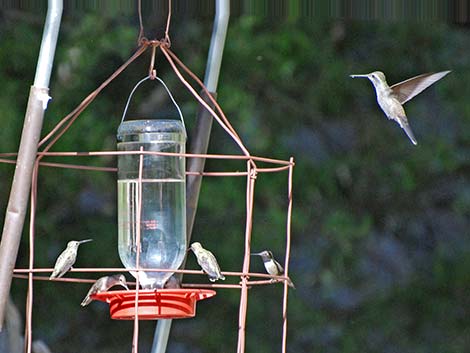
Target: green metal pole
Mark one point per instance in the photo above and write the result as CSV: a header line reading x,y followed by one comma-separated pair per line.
x,y
199,145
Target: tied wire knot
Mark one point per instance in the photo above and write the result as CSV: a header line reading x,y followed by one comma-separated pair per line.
x,y
164,42
253,173
154,43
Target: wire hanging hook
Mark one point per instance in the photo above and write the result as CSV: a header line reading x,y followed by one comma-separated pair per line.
x,y
152,71
142,40
166,40
141,24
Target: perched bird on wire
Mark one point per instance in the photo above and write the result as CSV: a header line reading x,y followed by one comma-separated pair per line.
x,y
67,258
103,284
272,266
207,261
172,283
392,98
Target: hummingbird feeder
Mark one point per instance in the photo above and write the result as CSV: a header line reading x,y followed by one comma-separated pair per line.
x,y
151,197
152,217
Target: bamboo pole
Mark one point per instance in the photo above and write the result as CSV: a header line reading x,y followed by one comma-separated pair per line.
x,y
21,185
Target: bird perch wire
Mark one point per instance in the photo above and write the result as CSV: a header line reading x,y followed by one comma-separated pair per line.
x,y
20,271
251,173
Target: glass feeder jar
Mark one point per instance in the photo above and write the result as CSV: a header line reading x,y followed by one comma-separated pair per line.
x,y
163,206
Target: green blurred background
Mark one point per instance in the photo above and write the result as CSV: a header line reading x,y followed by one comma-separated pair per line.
x,y
381,242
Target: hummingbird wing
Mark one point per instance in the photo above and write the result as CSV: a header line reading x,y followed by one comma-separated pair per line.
x,y
280,269
95,288
281,272
64,263
407,89
209,264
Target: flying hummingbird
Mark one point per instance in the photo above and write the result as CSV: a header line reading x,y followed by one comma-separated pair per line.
x,y
67,258
391,99
207,261
103,284
272,266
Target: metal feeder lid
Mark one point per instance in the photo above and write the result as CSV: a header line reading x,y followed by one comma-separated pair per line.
x,y
166,127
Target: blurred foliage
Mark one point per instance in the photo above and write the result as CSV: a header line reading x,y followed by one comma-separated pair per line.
x,y
381,247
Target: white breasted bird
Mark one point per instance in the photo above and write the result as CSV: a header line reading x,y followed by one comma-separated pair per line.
x,y
392,98
103,284
207,261
272,266
67,258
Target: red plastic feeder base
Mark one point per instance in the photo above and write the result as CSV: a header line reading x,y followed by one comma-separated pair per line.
x,y
153,304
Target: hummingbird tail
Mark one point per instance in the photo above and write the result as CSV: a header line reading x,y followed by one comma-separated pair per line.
x,y
290,283
86,301
409,133
55,274
216,277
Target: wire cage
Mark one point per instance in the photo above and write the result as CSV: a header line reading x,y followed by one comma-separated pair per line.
x,y
247,280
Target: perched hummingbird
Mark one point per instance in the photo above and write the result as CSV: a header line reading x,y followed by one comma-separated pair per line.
x,y
103,284
272,266
391,99
207,261
67,258
172,283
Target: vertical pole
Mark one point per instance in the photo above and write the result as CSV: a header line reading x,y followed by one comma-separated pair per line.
x,y
19,193
29,297
202,130
200,143
250,191
135,338
286,263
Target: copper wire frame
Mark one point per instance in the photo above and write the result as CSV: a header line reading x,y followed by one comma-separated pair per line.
x,y
251,174
247,279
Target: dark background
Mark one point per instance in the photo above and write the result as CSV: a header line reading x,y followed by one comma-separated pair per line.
x,y
380,247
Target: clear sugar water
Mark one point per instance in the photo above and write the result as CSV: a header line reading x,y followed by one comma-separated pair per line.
x,y
163,207
163,230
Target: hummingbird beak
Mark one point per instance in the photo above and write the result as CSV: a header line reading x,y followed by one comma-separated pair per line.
x,y
255,253
85,241
355,76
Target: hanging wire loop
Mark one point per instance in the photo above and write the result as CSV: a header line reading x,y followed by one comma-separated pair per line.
x,y
180,113
141,37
